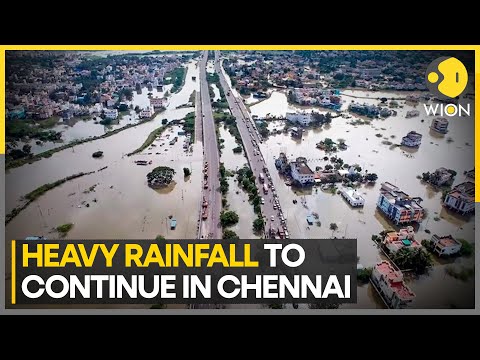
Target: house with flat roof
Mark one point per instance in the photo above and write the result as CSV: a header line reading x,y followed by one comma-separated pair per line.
x,y
404,238
412,139
445,245
156,102
352,197
111,113
301,172
303,119
398,206
147,112
390,285
461,198
440,125
441,176
296,132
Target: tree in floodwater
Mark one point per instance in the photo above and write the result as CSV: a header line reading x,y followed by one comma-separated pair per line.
x,y
160,176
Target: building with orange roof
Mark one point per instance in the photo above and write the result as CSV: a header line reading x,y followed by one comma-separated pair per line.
x,y
446,245
405,238
390,286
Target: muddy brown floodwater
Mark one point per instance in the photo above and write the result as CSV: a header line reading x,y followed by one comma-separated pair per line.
x,y
397,165
126,207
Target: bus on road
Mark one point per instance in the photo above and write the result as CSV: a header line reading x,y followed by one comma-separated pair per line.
x,y
261,177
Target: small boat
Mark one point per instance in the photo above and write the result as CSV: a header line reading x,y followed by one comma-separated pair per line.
x,y
173,224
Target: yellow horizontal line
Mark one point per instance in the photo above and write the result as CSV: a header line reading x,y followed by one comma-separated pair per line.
x,y
240,47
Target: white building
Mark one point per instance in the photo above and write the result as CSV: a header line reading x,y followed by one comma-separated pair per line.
x,y
390,285
446,245
352,197
301,172
95,109
296,132
147,112
111,113
111,102
301,118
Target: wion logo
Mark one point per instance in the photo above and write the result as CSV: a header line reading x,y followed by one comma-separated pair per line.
x,y
446,78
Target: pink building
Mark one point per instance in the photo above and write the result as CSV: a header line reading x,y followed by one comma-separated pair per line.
x,y
390,285
396,240
156,102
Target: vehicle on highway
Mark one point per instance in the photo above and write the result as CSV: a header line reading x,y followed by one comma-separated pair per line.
x,y
261,177
272,218
265,188
262,200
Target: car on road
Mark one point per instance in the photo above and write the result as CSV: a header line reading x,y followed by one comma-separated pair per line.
x,y
262,200
272,217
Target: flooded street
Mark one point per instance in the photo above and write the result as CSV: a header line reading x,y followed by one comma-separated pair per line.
x,y
77,128
398,165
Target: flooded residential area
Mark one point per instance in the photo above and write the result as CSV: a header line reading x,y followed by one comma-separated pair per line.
x,y
348,147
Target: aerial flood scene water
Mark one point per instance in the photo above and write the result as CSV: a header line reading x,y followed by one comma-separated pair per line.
x,y
341,134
